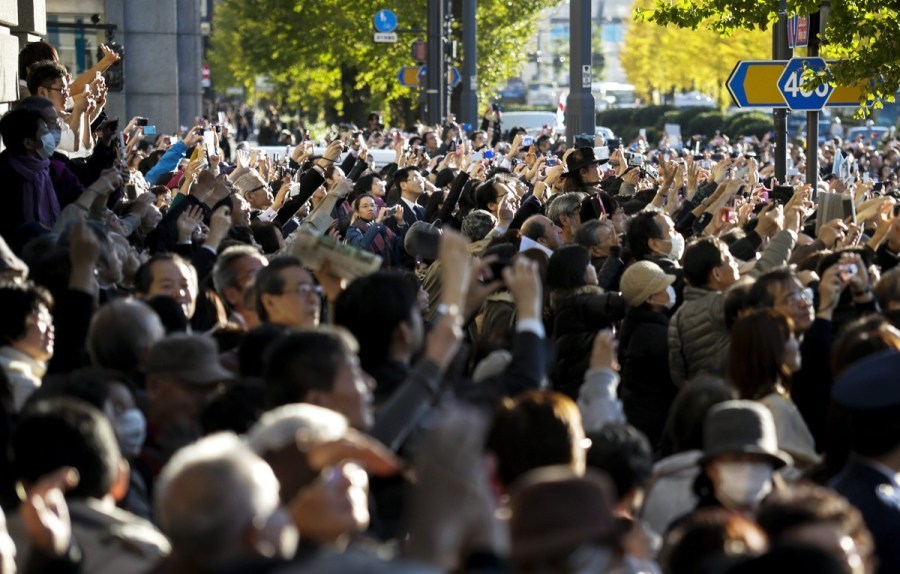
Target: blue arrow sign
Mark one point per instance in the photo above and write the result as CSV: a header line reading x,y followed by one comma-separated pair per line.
x,y
385,21
790,84
454,80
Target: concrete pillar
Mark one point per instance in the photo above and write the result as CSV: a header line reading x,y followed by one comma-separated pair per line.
x,y
9,54
114,13
190,59
151,61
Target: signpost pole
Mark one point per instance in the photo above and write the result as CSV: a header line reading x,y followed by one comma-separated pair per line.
x,y
470,57
780,52
580,114
812,117
436,83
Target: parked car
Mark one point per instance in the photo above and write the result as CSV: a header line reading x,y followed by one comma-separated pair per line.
x,y
542,94
513,91
605,132
824,131
868,133
533,122
694,99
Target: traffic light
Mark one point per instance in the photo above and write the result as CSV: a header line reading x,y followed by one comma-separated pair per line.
x,y
115,75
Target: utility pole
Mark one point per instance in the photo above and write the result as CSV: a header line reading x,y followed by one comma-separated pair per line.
x,y
816,31
580,115
780,52
469,100
435,79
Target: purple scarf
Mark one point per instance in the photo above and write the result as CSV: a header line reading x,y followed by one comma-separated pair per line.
x,y
382,243
39,201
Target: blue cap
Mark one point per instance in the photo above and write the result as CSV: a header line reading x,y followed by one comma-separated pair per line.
x,y
872,383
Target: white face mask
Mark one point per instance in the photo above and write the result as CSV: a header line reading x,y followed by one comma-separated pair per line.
x,y
131,430
49,141
670,291
677,249
743,484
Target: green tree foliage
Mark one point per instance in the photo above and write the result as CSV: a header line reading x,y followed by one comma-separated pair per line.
x,y
861,34
664,58
320,57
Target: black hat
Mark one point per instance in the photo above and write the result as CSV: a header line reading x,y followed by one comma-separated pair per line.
x,y
581,157
870,384
422,239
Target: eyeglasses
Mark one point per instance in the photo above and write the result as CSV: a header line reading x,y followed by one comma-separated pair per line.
x,y
265,187
304,290
805,295
60,90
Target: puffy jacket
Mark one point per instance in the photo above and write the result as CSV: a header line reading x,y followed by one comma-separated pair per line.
x,y
698,339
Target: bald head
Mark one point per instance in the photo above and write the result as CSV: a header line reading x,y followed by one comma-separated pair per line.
x,y
541,230
121,334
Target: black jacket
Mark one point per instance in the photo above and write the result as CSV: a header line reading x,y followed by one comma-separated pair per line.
x,y
577,315
646,390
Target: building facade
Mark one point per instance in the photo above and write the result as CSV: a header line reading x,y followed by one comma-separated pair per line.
x,y
161,41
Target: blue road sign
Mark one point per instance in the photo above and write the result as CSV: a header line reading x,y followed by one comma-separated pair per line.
x,y
790,84
454,80
385,21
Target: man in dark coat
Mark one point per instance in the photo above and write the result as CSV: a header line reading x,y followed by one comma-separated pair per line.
x,y
870,394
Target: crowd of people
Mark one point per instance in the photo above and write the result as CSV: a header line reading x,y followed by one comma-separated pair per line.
x,y
613,359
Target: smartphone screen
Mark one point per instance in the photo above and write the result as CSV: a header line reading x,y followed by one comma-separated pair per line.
x,y
209,142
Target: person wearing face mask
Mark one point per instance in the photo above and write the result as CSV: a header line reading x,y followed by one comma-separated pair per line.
x,y
764,354
646,389
651,236
30,200
740,457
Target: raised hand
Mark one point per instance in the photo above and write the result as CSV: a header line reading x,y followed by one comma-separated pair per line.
x,y
44,512
524,282
603,353
187,222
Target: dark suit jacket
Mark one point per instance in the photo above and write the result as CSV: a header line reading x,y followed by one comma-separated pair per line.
x,y
410,216
878,499
310,180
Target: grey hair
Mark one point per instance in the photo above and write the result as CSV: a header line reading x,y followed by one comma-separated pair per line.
x,y
209,493
565,204
223,274
121,334
248,181
295,423
477,224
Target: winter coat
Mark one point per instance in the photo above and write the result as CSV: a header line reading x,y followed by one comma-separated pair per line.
x,y
647,390
698,338
671,494
576,316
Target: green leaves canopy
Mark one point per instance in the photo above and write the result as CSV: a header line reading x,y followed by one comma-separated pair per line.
x,y
319,54
861,34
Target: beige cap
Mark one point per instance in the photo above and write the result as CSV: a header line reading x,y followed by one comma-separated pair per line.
x,y
641,280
